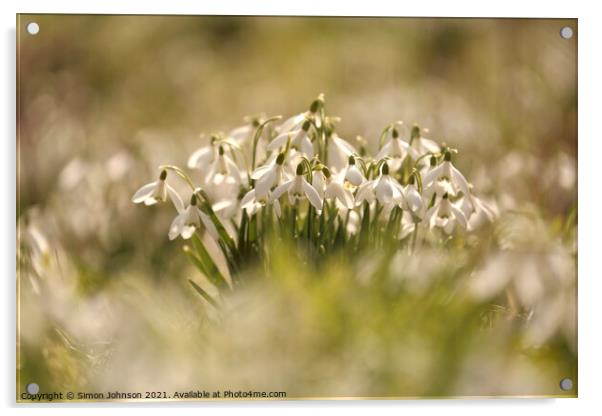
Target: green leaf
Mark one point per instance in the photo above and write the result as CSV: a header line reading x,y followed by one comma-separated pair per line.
x,y
204,294
204,258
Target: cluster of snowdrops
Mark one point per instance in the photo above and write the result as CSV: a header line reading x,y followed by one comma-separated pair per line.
x,y
298,179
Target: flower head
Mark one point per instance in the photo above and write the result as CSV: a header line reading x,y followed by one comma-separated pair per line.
x,y
445,215
298,188
189,220
158,191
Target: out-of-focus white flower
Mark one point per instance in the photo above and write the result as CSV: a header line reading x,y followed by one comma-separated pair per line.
x,y
299,139
189,220
397,150
203,157
293,122
251,204
413,203
332,187
268,176
422,145
477,211
445,215
385,189
339,151
241,134
444,179
158,191
298,188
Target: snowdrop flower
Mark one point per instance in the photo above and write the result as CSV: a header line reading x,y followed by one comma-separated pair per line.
x,y
268,176
189,220
477,211
299,139
252,205
422,145
352,174
223,165
158,191
397,150
445,215
444,179
332,187
339,151
298,188
241,134
413,203
203,157
297,120
385,189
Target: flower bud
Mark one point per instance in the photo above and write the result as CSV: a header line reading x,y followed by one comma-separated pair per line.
x,y
306,125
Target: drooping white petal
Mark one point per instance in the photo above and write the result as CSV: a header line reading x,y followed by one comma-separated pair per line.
x,y
354,176
281,139
175,198
176,226
459,216
201,157
292,122
306,146
432,175
318,181
365,192
261,170
384,151
263,185
248,198
312,195
144,192
280,189
337,190
384,190
277,209
209,225
460,180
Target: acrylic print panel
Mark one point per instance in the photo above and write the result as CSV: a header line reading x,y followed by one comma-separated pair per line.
x,y
296,208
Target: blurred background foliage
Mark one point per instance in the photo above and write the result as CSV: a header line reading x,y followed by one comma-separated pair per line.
x,y
103,100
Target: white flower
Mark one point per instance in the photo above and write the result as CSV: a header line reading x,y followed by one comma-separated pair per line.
x,y
445,215
241,134
339,151
422,145
189,220
158,191
332,187
385,189
413,203
477,211
397,150
203,157
299,139
298,188
251,204
223,165
268,176
293,122
444,179
352,173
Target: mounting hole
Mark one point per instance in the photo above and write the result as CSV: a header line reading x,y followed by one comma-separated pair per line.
x,y
32,388
33,28
566,32
566,384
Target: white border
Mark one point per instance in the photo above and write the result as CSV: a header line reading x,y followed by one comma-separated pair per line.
x,y
590,156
